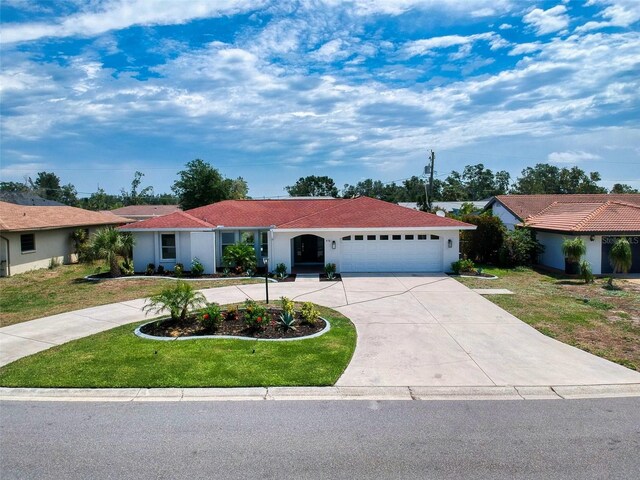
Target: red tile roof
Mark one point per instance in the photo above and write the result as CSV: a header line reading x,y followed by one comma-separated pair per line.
x,y
361,212
15,218
524,206
608,217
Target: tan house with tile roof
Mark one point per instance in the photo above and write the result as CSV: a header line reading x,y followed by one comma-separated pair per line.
x,y
599,219
31,236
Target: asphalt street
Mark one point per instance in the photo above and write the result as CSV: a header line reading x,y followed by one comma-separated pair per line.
x,y
546,439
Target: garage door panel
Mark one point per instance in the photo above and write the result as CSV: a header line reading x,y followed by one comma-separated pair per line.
x,y
391,256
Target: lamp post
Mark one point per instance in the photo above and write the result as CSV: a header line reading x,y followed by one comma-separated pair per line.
x,y
265,260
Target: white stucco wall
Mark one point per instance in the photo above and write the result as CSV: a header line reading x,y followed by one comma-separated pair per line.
x,y
203,246
144,251
553,257
50,244
509,220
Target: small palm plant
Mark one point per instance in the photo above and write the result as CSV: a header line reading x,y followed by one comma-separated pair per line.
x,y
620,257
573,250
178,299
108,244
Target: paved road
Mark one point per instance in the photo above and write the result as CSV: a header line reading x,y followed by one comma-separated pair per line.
x,y
413,330
581,439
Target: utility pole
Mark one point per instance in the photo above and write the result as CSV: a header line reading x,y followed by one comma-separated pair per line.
x,y
429,190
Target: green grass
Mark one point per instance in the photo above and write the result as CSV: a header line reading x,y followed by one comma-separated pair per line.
x,y
41,293
588,316
118,358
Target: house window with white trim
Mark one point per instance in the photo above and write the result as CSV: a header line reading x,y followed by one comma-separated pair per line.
x,y
264,244
27,243
168,242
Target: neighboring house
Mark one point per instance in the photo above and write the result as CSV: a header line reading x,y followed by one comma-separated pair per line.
x,y
358,235
26,198
599,219
30,236
142,212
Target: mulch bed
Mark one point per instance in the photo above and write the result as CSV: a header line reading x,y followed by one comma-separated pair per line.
x,y
191,327
336,278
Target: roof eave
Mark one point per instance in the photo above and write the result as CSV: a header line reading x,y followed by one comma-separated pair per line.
x,y
371,229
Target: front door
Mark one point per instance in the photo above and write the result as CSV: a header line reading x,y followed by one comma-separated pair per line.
x,y
308,249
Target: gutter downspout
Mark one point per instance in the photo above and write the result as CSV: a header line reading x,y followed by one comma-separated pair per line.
x,y
8,256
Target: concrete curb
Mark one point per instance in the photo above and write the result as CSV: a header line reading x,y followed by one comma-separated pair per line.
x,y
92,278
524,392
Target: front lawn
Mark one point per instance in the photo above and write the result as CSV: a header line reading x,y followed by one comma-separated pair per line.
x,y
41,293
591,317
118,358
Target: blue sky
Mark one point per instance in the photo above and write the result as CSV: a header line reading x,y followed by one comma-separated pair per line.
x,y
274,90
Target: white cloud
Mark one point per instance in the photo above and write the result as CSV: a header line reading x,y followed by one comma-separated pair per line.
x,y
619,13
547,21
119,14
426,46
572,157
330,51
505,26
525,48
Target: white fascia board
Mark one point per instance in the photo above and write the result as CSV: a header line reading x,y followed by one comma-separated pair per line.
x,y
373,229
222,227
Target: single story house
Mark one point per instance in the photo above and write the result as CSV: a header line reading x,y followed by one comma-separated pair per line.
x,y
599,219
31,236
358,235
135,213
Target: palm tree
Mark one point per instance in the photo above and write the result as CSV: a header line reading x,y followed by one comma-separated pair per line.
x,y
178,299
108,244
620,257
573,250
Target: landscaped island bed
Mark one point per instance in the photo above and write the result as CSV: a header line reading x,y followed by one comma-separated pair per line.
x,y
119,358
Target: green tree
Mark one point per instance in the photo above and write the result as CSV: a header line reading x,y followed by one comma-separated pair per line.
x,y
623,188
109,244
69,195
454,189
483,243
101,200
200,184
14,187
313,186
238,188
47,185
545,178
135,197
480,182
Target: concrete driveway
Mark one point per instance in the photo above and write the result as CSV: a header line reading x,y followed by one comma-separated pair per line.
x,y
413,330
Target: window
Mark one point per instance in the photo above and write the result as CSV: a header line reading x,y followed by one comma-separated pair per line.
x,y
435,237
371,237
408,237
226,239
359,237
396,237
247,237
168,246
422,237
384,237
264,244
27,243
348,237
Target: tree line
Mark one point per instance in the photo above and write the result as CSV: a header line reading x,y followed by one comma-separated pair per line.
x,y
199,183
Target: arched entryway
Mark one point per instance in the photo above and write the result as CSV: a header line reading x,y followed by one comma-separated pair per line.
x,y
308,252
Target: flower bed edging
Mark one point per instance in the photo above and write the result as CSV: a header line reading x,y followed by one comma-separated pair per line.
x,y
92,278
138,332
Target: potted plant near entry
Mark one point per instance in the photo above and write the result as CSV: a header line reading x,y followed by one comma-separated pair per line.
x,y
573,250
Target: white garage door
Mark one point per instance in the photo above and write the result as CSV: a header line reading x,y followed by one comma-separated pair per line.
x,y
391,253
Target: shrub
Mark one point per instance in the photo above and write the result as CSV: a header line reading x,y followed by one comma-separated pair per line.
x,y
232,314
574,249
197,269
520,248
585,272
309,313
281,270
80,247
255,315
178,299
242,256
287,317
483,243
151,269
54,263
108,244
462,266
178,270
160,270
211,316
127,267
330,270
